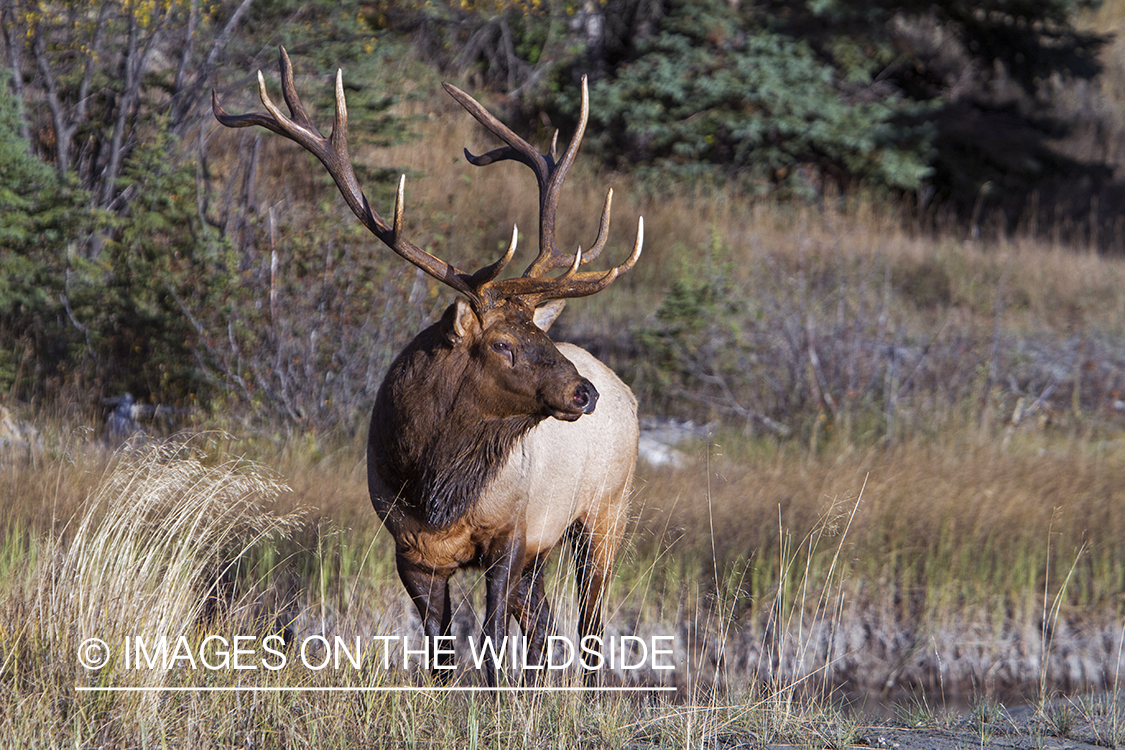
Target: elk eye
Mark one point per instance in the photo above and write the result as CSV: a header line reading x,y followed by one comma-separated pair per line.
x,y
503,347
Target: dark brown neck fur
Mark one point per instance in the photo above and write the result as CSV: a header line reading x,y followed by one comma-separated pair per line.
x,y
431,442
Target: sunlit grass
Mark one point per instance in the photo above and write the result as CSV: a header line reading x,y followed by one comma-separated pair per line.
x,y
765,563
186,542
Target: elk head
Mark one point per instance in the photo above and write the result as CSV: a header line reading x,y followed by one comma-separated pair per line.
x,y
500,325
511,364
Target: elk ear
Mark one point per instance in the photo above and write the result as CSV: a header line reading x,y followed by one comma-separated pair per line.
x,y
545,314
460,321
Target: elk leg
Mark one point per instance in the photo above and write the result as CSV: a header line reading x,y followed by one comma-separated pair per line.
x,y
500,583
593,557
430,593
533,613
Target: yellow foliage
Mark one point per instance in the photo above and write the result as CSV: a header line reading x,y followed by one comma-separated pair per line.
x,y
523,6
144,12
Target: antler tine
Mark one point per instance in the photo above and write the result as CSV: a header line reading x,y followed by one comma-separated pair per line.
x,y
544,264
289,92
535,290
517,149
549,174
550,257
487,275
534,286
333,154
603,232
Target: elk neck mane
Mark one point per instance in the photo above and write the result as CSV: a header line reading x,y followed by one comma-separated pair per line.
x,y
436,447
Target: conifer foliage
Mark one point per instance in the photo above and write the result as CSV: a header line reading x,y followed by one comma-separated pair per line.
x,y
932,97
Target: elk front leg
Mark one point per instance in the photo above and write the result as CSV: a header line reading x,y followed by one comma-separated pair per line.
x,y
500,584
429,590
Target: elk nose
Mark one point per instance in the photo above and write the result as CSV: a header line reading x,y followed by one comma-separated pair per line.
x,y
586,397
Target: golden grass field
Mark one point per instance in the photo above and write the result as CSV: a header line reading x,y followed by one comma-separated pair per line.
x,y
789,582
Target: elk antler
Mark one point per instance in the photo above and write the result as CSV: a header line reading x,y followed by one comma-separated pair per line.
x,y
333,154
534,286
481,287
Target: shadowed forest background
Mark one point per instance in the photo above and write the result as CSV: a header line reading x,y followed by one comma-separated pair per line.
x,y
148,251
877,335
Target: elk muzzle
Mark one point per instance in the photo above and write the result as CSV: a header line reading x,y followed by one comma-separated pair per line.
x,y
580,398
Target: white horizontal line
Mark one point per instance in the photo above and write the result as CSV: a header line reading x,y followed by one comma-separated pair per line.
x,y
361,689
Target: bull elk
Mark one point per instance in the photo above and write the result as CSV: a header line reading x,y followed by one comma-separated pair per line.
x,y
485,447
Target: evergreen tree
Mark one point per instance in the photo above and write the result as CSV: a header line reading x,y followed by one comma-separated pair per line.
x,y
38,215
993,68
935,97
716,87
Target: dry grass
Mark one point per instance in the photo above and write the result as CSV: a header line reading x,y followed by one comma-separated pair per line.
x,y
146,553
923,497
145,557
781,573
955,556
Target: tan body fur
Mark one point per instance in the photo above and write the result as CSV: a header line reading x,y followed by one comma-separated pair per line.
x,y
558,474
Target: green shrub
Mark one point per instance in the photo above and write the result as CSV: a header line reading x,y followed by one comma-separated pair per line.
x,y
40,214
717,88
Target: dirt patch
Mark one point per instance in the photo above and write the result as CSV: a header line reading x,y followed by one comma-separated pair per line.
x,y
1086,722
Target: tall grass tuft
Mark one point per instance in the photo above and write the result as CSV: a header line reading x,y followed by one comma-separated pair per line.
x,y
147,555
